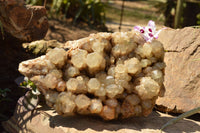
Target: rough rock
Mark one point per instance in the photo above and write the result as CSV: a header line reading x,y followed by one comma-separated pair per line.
x,y
182,72
41,47
25,22
116,75
45,120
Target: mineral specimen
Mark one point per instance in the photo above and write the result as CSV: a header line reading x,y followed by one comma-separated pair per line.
x,y
116,75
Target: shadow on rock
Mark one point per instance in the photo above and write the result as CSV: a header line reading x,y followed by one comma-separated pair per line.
x,y
154,121
44,119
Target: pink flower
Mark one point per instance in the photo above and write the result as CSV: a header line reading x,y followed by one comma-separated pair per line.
x,y
149,32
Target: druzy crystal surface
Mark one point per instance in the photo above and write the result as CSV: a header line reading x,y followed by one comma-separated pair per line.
x,y
113,75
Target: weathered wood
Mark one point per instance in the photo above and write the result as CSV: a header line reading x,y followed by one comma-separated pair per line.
x,y
22,21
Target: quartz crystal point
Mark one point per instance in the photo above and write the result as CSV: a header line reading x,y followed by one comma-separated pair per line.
x,y
113,75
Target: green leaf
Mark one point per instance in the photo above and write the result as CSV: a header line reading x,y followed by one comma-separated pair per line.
x,y
65,1
90,11
67,5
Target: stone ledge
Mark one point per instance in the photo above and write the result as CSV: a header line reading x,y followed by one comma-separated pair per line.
x,y
45,120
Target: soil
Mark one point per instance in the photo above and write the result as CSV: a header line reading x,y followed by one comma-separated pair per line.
x,y
64,31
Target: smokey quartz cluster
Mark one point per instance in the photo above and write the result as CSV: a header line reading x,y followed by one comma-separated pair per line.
x,y
113,75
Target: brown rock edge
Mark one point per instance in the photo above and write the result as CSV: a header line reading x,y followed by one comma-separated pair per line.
x,y
25,22
182,72
45,120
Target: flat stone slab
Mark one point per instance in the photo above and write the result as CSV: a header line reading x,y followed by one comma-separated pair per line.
x,y
45,120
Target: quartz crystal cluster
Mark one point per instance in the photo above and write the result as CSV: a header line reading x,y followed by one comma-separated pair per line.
x,y
113,75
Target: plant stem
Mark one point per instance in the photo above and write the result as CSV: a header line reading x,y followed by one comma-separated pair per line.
x,y
179,10
180,117
122,13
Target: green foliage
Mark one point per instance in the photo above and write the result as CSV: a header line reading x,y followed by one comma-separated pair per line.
x,y
34,2
90,11
198,19
28,84
31,99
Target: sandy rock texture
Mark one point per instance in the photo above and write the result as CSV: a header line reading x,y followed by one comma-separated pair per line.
x,y
182,72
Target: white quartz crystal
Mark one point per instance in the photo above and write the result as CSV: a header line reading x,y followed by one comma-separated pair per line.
x,y
148,88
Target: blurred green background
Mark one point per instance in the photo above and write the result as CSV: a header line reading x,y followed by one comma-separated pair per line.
x,y
101,12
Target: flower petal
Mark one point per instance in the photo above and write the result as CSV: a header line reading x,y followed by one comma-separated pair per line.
x,y
151,24
146,36
157,33
137,28
149,32
150,40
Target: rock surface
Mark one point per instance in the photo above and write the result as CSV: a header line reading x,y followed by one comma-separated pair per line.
x,y
25,22
116,75
182,72
45,120
41,47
